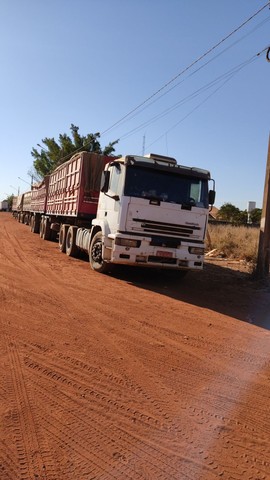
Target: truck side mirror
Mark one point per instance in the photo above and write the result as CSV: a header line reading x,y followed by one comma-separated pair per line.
x,y
105,180
211,197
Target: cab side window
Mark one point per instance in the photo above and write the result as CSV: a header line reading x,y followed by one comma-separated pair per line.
x,y
115,173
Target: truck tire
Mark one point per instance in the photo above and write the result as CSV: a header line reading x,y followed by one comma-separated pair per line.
x,y
62,237
95,255
71,247
34,224
45,231
41,227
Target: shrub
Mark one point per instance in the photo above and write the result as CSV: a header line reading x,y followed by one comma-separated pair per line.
x,y
237,242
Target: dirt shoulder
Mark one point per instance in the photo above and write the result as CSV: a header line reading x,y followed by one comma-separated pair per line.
x,y
136,375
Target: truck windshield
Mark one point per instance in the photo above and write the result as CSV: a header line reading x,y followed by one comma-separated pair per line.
x,y
166,186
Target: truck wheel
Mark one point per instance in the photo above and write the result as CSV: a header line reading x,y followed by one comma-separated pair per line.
x,y
45,231
41,228
62,237
95,255
34,224
71,247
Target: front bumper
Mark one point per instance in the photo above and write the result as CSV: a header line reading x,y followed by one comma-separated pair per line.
x,y
160,256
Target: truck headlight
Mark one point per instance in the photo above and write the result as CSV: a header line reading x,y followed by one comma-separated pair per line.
x,y
196,250
127,242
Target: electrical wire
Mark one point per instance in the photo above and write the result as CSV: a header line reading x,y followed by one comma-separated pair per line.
x,y
189,66
210,50
195,71
229,74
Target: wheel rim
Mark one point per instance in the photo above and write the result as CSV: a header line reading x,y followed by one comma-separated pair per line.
x,y
96,252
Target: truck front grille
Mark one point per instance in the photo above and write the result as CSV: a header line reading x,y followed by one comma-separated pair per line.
x,y
149,226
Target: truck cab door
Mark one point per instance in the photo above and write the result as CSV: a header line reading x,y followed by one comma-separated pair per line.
x,y
110,205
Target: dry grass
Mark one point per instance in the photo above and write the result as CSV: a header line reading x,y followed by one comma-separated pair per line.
x,y
237,242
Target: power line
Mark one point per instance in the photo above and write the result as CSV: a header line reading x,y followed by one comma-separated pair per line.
x,y
199,68
227,75
174,78
189,66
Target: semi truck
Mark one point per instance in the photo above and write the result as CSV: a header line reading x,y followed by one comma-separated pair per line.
x,y
145,211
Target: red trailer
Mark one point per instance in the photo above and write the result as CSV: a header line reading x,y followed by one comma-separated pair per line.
x,y
73,188
38,203
72,195
39,196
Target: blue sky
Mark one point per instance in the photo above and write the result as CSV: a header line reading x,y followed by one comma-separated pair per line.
x,y
91,62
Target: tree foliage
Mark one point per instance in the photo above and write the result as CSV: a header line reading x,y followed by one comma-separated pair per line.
x,y
229,213
255,215
9,199
55,153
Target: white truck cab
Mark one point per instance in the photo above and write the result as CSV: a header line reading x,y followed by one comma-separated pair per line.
x,y
152,213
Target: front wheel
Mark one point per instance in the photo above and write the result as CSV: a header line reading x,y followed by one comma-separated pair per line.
x,y
95,255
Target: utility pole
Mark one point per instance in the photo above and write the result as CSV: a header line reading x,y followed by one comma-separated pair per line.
x,y
263,260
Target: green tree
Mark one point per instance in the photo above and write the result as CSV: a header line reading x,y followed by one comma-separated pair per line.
x,y
255,215
10,200
54,153
241,217
228,212
232,214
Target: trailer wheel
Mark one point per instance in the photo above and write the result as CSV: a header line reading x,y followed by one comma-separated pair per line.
x,y
71,247
34,224
41,228
62,237
95,255
45,231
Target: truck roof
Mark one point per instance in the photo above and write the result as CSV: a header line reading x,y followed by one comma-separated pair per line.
x,y
164,163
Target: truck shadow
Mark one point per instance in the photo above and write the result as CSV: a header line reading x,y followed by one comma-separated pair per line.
x,y
229,292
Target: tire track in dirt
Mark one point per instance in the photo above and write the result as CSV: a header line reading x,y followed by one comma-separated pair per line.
x,y
114,371
110,389
11,250
169,421
33,456
110,404
99,443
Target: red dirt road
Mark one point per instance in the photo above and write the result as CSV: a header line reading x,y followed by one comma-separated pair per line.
x,y
133,376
